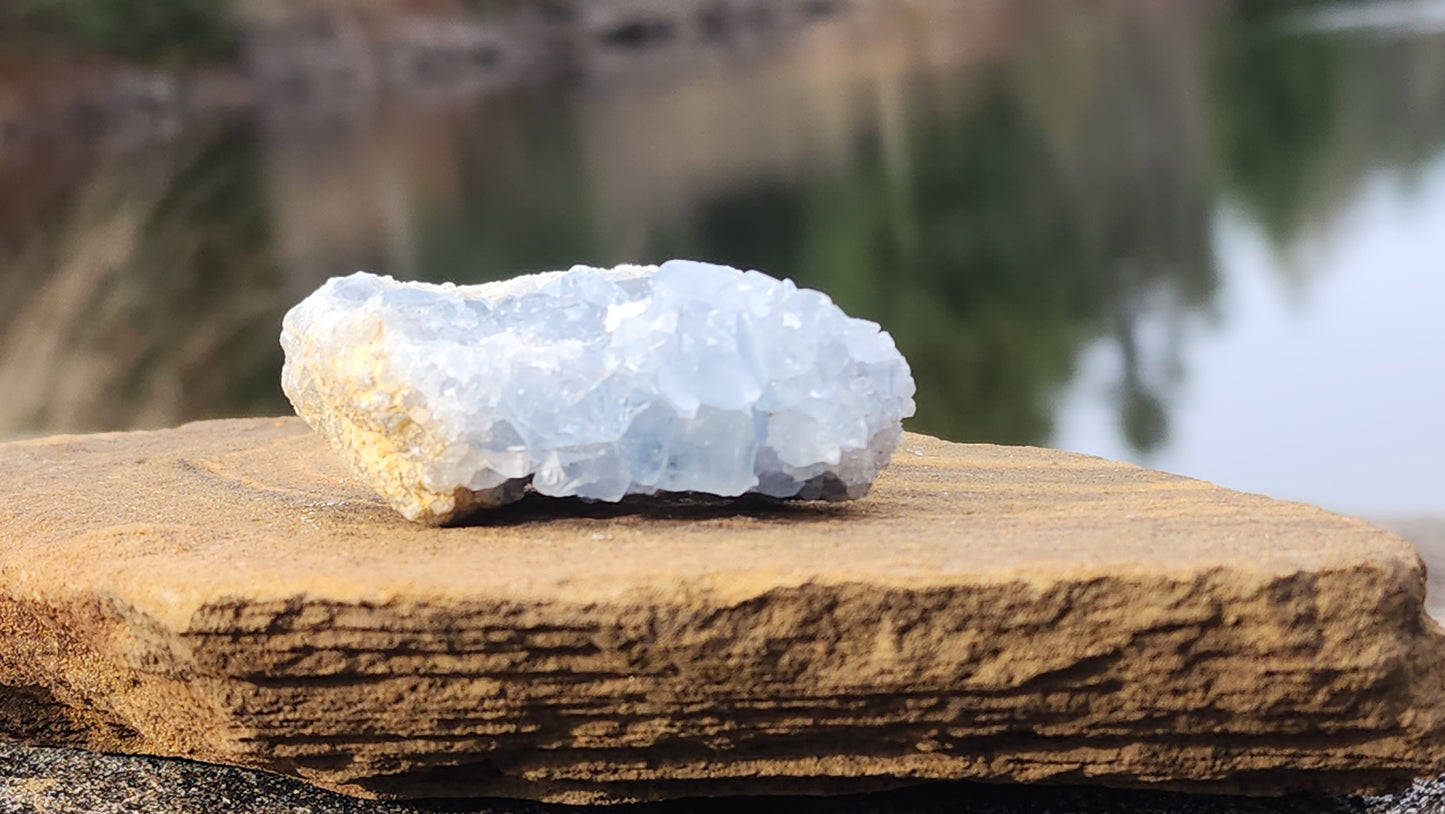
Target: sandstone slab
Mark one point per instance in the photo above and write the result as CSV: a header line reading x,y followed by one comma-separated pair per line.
x,y
225,592
1427,534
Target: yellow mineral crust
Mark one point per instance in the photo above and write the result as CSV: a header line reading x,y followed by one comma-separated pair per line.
x,y
381,443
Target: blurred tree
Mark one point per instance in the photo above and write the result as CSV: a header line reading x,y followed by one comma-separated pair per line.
x,y
1303,119
983,277
524,203
204,251
989,249
146,30
1276,108
155,298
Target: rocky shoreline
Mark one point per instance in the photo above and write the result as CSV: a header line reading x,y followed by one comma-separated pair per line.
x,y
319,58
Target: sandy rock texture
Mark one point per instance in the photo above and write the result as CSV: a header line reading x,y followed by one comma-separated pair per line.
x,y
1427,534
223,591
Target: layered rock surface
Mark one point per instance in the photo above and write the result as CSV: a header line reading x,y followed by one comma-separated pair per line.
x,y
224,591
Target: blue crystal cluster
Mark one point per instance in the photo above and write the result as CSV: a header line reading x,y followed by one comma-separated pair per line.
x,y
598,383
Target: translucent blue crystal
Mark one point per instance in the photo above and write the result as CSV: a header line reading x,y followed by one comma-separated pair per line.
x,y
598,383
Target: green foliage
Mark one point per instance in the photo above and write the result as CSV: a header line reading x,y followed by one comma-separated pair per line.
x,y
1279,106
205,249
976,263
1019,229
147,30
968,264
524,204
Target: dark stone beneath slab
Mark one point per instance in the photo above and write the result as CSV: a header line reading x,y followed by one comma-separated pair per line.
x,y
70,781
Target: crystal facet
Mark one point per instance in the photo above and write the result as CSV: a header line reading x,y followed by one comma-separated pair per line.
x,y
598,383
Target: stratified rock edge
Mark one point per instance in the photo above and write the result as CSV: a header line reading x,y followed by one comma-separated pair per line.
x,y
1212,679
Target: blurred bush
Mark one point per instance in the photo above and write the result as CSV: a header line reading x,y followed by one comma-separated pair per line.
x,y
146,30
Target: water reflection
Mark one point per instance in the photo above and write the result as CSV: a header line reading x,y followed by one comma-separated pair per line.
x,y
148,296
1000,185
990,219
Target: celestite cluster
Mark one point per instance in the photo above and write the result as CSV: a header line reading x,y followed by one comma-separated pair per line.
x,y
599,383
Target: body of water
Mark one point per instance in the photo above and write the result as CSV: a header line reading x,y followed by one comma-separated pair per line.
x,y
1206,237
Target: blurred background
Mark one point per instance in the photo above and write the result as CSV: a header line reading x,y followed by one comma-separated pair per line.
x,y
1204,236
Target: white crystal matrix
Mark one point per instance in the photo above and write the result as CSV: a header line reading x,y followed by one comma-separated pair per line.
x,y
599,383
